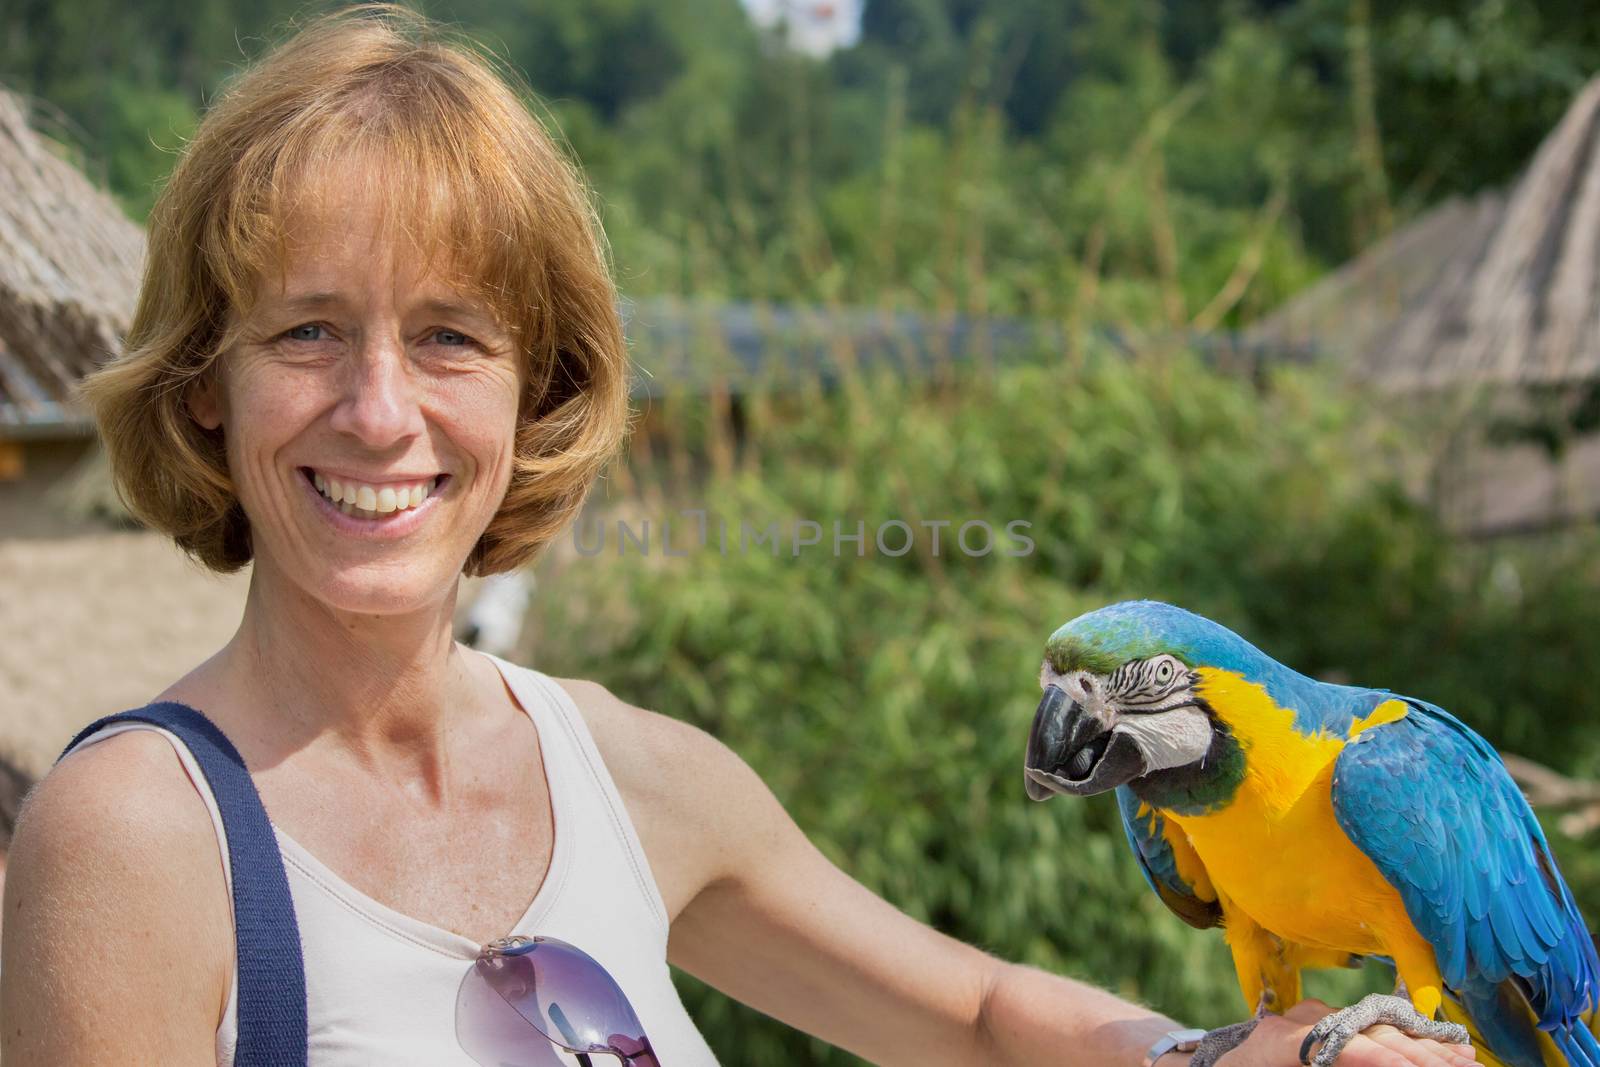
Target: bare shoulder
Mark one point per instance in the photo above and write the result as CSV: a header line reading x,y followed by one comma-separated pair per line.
x,y
125,797
637,744
118,933
694,802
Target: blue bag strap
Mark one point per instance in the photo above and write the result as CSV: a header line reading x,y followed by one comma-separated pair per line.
x,y
272,980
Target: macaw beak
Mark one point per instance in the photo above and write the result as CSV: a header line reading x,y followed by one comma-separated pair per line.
x,y
1071,751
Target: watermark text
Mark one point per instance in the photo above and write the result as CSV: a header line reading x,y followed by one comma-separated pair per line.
x,y
696,530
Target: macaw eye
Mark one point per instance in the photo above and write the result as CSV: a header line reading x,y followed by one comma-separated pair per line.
x,y
1164,671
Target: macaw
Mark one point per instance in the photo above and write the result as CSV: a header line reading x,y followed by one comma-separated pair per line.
x,y
1318,824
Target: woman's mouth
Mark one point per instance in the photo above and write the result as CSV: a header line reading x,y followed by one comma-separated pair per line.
x,y
373,502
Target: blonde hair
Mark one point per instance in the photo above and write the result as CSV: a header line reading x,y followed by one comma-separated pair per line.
x,y
467,170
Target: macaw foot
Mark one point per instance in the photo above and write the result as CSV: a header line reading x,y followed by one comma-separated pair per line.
x,y
1221,1041
1224,1039
1336,1030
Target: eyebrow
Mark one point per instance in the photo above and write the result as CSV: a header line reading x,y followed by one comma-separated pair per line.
x,y
312,300
435,305
443,306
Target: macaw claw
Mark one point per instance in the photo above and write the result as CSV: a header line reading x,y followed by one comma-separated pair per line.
x,y
1221,1041
1335,1031
1224,1039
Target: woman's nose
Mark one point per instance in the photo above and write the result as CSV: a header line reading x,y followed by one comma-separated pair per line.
x,y
379,405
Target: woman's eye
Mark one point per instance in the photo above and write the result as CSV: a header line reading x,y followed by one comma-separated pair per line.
x,y
308,331
452,337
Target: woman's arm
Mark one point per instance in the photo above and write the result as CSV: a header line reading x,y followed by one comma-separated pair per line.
x,y
762,915
1022,1015
117,944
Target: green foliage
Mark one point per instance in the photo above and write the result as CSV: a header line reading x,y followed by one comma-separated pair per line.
x,y
886,699
982,157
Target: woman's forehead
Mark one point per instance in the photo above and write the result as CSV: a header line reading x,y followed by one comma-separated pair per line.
x,y
367,209
322,278
337,239
328,222
331,249
372,190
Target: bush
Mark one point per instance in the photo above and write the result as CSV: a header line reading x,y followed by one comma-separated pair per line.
x,y
886,699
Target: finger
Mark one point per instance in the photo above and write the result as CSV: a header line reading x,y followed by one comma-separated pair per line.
x,y
1455,1054
1421,1052
1452,1054
1362,1051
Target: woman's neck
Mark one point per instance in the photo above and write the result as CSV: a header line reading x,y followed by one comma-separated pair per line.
x,y
385,692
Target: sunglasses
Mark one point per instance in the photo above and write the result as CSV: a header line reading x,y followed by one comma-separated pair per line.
x,y
559,990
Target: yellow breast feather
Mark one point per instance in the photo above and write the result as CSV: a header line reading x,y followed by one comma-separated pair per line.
x,y
1276,855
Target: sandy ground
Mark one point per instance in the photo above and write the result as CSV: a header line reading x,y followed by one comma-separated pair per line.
x,y
95,624
99,622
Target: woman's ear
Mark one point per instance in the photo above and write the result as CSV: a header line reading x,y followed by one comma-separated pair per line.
x,y
205,402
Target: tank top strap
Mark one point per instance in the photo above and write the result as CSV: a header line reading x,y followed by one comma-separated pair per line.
x,y
612,906
271,989
593,801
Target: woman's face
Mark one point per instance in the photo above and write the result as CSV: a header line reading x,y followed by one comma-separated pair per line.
x,y
360,376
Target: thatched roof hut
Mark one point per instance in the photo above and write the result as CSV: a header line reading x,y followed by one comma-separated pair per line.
x,y
1485,312
69,271
1497,291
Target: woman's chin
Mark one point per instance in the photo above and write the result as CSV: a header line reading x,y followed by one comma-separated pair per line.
x,y
382,590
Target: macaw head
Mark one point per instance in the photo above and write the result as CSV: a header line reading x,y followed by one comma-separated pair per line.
x,y
1124,704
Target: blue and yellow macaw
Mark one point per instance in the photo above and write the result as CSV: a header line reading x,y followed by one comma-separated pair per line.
x,y
1318,824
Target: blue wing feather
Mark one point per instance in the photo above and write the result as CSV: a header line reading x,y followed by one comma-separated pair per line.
x,y
1150,847
1474,871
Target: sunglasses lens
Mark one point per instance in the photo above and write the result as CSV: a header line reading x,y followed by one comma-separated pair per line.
x,y
559,990
494,1034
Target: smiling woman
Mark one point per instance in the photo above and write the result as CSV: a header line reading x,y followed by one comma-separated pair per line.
x,y
435,162
386,393
377,347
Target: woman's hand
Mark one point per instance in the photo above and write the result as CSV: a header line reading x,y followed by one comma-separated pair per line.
x,y
1276,1040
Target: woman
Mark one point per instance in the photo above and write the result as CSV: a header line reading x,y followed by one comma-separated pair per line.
x,y
376,346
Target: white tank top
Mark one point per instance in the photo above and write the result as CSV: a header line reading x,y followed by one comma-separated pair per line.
x,y
381,986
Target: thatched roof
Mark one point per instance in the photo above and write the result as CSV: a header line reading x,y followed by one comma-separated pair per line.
x,y
1501,290
69,272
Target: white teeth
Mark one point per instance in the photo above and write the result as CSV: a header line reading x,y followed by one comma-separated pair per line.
x,y
369,501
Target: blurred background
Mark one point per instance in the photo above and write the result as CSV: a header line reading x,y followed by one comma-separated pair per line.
x,y
1283,311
